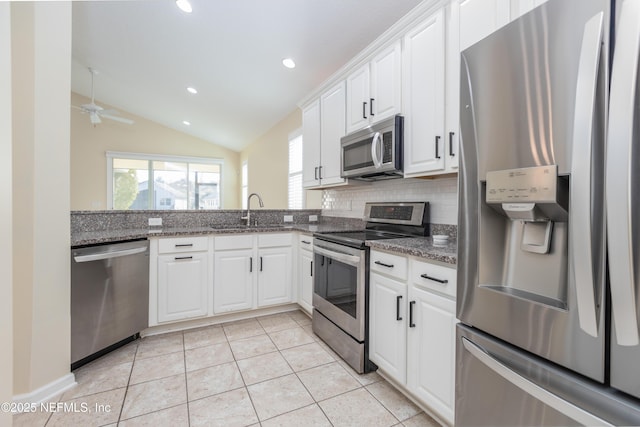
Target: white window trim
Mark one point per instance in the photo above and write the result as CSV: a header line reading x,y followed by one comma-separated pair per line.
x,y
295,134
158,157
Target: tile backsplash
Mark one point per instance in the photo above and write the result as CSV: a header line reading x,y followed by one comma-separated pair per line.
x,y
441,193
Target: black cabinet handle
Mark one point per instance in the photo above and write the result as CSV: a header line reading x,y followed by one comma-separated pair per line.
x,y
426,276
437,146
371,107
315,173
398,298
411,324
320,169
451,153
305,242
250,264
184,245
383,264
260,263
183,257
364,109
311,272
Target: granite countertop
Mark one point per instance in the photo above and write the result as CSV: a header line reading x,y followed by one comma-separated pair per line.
x,y
112,236
422,247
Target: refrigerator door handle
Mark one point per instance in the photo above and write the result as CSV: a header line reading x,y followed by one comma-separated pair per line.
x,y
580,192
531,388
619,185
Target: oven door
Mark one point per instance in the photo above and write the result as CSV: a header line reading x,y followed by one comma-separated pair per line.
x,y
339,286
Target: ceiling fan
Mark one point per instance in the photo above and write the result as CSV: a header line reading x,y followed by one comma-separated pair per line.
x,y
96,112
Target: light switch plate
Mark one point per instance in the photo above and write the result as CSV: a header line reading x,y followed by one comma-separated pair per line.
x,y
288,218
313,218
155,222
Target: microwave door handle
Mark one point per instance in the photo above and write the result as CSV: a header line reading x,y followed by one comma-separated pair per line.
x,y
619,177
580,222
375,143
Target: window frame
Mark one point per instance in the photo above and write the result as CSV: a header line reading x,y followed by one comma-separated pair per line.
x,y
292,136
159,158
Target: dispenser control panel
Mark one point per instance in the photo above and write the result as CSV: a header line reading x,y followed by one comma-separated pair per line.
x,y
524,185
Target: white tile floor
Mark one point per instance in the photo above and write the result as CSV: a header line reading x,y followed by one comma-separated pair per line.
x,y
267,371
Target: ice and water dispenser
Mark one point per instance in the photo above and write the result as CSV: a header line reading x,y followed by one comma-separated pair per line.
x,y
523,228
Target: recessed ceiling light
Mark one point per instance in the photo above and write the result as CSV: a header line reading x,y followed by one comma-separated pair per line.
x,y
288,62
186,123
192,90
184,5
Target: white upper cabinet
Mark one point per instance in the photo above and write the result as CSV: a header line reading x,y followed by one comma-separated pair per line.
x,y
311,144
323,124
423,86
479,18
332,128
373,90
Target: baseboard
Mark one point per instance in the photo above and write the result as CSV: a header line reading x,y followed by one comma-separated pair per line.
x,y
47,391
217,319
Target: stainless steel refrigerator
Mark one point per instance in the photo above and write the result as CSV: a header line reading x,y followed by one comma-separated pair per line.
x,y
549,219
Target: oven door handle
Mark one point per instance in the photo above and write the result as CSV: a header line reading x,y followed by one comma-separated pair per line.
x,y
338,256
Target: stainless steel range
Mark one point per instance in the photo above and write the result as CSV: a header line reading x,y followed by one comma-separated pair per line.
x,y
341,276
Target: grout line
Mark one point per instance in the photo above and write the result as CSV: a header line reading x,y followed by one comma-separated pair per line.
x,y
186,382
126,391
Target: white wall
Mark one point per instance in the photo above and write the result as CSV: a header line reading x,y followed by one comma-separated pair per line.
x,y
41,70
441,193
6,316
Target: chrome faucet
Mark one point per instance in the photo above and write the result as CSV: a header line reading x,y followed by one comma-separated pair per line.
x,y
248,217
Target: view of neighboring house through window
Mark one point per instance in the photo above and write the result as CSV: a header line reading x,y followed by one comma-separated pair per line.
x,y
296,192
245,184
140,181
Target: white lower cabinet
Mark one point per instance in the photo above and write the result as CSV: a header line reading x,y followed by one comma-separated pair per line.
x,y
387,325
274,276
412,330
305,273
233,280
431,350
252,271
180,279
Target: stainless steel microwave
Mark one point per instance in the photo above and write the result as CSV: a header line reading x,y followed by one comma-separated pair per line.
x,y
374,152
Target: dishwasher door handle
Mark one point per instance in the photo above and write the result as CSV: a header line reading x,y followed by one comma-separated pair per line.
x,y
109,255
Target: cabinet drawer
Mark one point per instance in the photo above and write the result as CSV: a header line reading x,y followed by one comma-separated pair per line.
x,y
274,240
434,277
244,241
305,242
389,264
183,244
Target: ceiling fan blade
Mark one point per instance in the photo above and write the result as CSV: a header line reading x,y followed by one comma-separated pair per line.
x,y
117,119
78,108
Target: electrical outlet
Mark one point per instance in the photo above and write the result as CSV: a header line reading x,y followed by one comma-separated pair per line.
x,y
155,222
313,218
288,218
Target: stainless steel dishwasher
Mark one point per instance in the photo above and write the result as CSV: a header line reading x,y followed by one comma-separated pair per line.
x,y
109,297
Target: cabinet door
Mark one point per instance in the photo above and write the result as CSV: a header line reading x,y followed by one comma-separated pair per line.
x,y
423,97
182,286
274,276
305,271
452,78
387,334
520,7
233,280
311,145
332,128
479,18
386,83
358,107
431,351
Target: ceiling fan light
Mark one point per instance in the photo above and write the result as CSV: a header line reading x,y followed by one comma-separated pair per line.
x,y
95,118
186,123
184,6
192,90
289,63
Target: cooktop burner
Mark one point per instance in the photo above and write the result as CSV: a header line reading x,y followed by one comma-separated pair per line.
x,y
384,221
